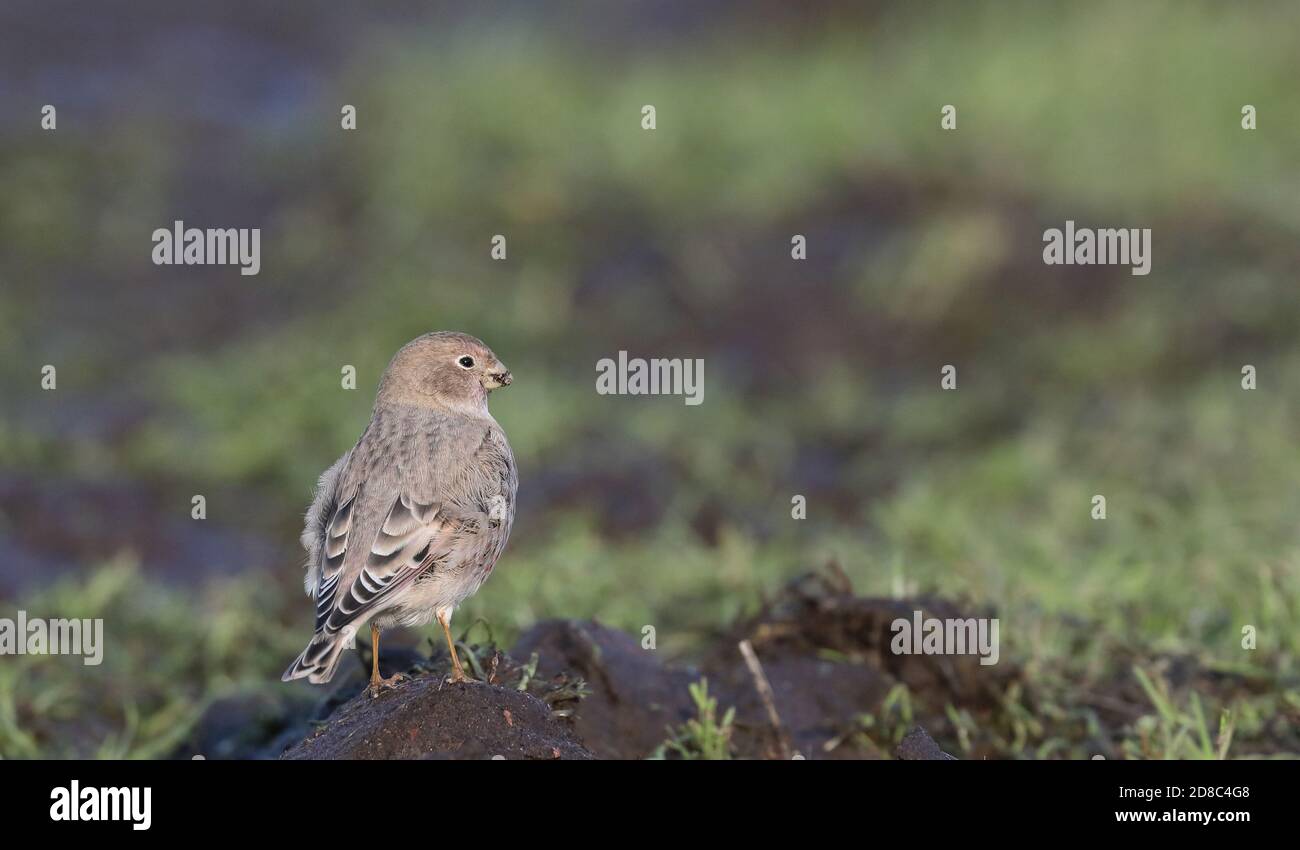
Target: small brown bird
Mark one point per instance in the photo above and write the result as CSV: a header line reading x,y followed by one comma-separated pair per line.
x,y
410,521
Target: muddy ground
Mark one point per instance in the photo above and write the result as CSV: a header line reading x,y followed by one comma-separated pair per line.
x,y
574,689
571,689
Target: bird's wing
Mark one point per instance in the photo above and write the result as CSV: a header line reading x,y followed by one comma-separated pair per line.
x,y
400,550
433,524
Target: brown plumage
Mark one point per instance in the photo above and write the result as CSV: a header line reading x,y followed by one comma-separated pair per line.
x,y
412,519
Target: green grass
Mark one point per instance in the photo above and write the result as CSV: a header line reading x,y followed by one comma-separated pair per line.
x,y
705,737
167,653
1174,732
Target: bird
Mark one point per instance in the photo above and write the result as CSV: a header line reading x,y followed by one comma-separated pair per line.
x,y
411,520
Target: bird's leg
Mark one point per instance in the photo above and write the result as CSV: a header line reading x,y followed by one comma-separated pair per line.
x,y
458,672
375,682
374,660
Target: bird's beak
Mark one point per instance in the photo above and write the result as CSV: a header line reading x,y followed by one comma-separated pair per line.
x,y
500,378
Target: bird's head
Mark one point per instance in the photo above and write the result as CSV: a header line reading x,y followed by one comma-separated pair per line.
x,y
444,369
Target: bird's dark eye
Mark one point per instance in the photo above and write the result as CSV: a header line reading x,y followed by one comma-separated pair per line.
x,y
466,362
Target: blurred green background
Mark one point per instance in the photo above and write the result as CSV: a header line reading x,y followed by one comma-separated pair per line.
x,y
822,376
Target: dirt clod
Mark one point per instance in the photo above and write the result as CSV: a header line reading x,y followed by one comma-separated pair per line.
x,y
917,745
633,698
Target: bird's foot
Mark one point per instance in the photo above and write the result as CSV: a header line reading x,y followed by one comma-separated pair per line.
x,y
458,675
377,685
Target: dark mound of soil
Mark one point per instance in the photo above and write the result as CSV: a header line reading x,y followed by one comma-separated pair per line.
x,y
826,654
427,717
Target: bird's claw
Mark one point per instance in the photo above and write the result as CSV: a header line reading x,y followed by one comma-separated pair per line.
x,y
384,684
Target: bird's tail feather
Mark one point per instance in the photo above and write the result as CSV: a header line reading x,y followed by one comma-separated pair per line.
x,y
319,660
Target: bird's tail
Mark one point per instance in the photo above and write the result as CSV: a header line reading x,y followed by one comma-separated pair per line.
x,y
319,660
